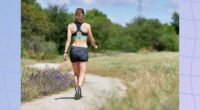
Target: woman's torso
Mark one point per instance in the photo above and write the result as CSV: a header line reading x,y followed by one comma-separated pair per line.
x,y
79,34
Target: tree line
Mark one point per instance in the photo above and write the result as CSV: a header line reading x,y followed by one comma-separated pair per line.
x,y
44,31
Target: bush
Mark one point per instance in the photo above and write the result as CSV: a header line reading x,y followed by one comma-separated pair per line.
x,y
49,50
36,83
169,40
150,33
36,47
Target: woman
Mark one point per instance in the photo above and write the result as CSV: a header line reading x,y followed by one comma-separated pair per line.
x,y
79,31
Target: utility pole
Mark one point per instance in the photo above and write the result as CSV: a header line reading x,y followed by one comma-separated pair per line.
x,y
139,10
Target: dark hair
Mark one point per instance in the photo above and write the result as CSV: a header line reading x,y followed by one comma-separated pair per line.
x,y
79,15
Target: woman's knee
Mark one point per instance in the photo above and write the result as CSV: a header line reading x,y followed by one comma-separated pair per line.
x,y
76,74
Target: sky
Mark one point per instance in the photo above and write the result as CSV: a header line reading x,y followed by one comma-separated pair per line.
x,y
122,11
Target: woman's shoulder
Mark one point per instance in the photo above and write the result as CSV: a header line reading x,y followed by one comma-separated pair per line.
x,y
70,25
86,24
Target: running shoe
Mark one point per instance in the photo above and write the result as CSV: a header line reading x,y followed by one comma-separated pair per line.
x,y
78,93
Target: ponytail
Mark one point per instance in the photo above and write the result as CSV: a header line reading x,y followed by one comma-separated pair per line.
x,y
79,15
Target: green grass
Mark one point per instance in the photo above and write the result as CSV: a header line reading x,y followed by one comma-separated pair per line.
x,y
151,79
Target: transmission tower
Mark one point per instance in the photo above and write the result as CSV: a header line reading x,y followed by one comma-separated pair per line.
x,y
139,10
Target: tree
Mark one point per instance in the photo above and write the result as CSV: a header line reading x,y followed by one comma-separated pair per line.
x,y
151,34
175,21
44,31
169,39
35,28
102,27
29,1
144,32
60,18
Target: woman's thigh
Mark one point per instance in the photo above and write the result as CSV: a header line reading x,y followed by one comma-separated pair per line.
x,y
76,68
83,66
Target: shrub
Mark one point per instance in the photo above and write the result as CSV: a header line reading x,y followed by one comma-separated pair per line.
x,y
37,47
37,83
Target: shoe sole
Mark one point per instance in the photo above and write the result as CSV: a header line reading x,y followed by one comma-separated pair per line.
x,y
77,96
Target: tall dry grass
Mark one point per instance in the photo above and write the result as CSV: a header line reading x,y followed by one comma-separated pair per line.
x,y
151,79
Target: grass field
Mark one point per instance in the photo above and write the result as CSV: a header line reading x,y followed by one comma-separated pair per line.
x,y
151,78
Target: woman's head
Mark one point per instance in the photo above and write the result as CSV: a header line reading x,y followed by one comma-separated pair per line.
x,y
79,15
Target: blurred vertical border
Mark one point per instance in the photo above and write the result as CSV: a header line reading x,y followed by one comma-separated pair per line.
x,y
10,54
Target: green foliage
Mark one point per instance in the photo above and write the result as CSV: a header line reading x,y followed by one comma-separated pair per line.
x,y
151,34
60,18
29,1
144,33
34,20
175,21
45,30
35,27
49,50
101,26
37,47
169,41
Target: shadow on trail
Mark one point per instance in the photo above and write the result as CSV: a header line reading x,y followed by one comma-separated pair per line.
x,y
59,98
64,98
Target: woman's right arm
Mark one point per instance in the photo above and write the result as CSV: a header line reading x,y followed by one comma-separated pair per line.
x,y
69,33
91,38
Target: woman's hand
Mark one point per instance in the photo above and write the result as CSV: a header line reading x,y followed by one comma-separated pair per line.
x,y
95,46
65,56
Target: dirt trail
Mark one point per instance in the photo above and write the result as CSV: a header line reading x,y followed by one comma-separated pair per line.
x,y
96,90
